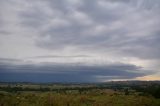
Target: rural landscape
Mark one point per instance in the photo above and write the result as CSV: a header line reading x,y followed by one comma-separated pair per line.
x,y
79,52
121,93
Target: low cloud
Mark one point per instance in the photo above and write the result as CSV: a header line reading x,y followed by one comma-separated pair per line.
x,y
79,37
74,72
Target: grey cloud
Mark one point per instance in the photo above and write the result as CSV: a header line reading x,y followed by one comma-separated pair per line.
x,y
126,28
9,60
33,18
146,47
62,56
75,72
81,36
117,39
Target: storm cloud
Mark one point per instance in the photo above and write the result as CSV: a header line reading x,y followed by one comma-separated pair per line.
x,y
91,40
71,72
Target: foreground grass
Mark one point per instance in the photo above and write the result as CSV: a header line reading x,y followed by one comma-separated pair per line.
x,y
75,99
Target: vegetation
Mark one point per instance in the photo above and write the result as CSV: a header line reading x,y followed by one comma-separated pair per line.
x,y
107,94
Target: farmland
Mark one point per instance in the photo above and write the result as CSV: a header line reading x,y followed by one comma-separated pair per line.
x,y
104,94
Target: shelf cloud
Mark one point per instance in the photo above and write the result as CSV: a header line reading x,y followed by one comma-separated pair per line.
x,y
79,40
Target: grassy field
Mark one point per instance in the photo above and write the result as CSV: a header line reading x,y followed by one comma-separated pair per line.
x,y
72,98
74,95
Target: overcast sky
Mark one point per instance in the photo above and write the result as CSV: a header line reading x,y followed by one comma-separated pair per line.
x,y
79,40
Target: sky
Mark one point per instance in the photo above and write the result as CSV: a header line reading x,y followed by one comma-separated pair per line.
x,y
79,40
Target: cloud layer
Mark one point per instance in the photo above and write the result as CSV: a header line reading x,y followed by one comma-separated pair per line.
x,y
67,72
97,34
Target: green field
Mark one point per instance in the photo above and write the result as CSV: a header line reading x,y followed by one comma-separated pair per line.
x,y
72,95
74,99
